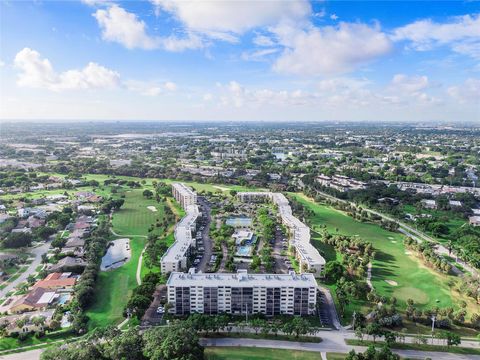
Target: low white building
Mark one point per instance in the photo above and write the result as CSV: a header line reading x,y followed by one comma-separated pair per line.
x,y
474,220
429,204
241,293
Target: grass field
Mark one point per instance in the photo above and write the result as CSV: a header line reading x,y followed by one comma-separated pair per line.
x,y
252,353
115,287
392,262
134,218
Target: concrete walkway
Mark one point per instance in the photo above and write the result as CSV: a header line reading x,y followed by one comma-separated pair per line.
x,y
327,345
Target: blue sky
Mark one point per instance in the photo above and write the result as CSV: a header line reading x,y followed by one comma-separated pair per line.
x,y
240,60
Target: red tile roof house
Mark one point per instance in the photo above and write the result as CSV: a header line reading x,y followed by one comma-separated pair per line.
x,y
56,281
37,299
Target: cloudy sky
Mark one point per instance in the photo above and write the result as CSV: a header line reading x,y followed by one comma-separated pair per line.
x,y
240,60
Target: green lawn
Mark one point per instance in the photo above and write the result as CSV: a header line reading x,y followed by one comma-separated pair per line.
x,y
252,353
115,287
392,262
9,343
134,218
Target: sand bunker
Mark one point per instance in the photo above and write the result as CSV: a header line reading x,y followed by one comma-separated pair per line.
x,y
390,238
391,282
152,208
394,241
408,253
221,188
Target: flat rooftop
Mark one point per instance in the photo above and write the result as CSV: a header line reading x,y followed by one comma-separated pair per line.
x,y
241,279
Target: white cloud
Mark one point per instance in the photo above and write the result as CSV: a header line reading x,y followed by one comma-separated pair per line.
x,y
462,33
405,89
320,14
258,55
262,40
469,91
118,25
125,28
404,83
170,86
330,49
334,17
150,88
176,44
207,97
2,64
230,18
37,72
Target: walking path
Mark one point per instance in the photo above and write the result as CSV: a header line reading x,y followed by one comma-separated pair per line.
x,y
327,345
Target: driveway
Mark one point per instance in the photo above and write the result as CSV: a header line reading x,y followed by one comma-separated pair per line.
x,y
280,266
37,253
207,242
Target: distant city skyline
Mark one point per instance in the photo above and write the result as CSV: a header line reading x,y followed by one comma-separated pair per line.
x,y
408,61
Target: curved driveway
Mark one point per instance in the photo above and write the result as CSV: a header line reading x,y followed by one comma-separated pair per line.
x,y
37,252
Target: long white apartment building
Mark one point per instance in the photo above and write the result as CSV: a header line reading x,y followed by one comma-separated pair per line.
x,y
242,293
176,257
184,195
299,233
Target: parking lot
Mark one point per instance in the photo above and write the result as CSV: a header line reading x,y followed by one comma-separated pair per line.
x,y
152,315
204,243
280,244
323,311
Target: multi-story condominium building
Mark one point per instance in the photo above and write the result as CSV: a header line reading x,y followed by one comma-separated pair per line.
x,y
242,293
299,234
184,195
176,257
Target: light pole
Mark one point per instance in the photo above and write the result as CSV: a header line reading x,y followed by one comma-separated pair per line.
x,y
433,325
354,317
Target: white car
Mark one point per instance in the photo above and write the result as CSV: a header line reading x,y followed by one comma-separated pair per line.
x,y
160,310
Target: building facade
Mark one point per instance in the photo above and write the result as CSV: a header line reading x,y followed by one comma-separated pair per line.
x,y
242,293
176,257
184,195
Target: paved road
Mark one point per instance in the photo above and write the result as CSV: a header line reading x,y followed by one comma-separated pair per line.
x,y
411,232
37,252
332,310
280,266
207,241
328,345
27,355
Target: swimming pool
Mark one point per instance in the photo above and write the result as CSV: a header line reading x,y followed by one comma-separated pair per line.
x,y
239,221
244,250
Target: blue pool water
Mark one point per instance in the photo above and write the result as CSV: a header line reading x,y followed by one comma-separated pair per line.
x,y
244,250
239,221
63,298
